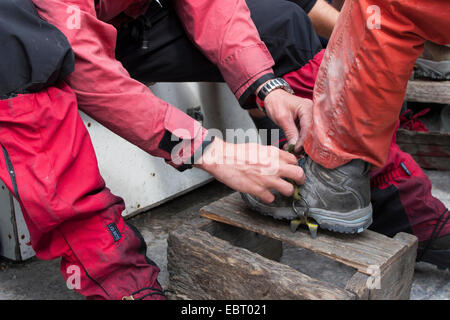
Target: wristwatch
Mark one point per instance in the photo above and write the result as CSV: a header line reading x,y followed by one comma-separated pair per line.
x,y
269,86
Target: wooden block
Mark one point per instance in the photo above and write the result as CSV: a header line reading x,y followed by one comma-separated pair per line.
x,y
431,150
358,285
394,281
223,258
202,266
359,251
428,91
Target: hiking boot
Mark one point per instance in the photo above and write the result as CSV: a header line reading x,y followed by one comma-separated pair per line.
x,y
437,253
434,63
337,199
436,250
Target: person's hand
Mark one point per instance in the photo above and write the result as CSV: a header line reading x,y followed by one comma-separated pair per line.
x,y
252,168
287,111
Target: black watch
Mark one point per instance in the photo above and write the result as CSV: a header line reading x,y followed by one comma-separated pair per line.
x,y
269,86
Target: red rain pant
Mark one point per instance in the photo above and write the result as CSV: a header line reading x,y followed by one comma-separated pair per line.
x,y
49,164
400,191
362,81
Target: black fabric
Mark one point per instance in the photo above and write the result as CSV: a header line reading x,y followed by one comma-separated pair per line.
x,y
143,251
251,90
34,54
306,5
200,151
172,57
389,216
435,235
143,247
167,143
265,123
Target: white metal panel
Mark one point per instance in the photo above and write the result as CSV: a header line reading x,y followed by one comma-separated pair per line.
x,y
23,236
8,234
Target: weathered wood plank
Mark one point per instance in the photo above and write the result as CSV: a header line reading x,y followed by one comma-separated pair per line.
x,y
233,204
358,285
435,163
359,251
267,247
202,266
423,138
427,150
395,281
428,91
430,149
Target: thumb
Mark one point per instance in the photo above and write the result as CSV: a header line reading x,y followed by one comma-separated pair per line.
x,y
290,129
305,116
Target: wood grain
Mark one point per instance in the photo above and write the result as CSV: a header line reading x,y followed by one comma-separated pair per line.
x,y
423,138
428,91
234,254
359,251
202,266
430,149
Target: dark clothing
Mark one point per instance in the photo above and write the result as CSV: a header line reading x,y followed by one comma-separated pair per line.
x,y
171,56
34,53
306,5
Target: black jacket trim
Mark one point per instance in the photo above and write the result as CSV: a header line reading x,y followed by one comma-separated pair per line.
x,y
245,100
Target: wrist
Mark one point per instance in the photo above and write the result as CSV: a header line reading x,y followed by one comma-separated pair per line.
x,y
259,102
268,87
260,87
274,95
208,160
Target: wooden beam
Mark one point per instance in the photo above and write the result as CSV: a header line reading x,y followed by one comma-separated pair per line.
x,y
428,91
423,138
361,251
202,266
431,150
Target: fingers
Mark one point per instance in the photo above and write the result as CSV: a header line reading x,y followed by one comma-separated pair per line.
x,y
258,178
304,113
275,183
282,186
288,157
266,196
293,172
287,123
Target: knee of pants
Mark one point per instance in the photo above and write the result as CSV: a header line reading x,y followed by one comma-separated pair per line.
x,y
287,32
48,159
278,18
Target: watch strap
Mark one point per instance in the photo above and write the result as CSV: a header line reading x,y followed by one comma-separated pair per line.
x,y
269,86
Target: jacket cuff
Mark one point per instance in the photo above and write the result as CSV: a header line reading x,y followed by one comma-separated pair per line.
x,y
247,98
252,62
183,136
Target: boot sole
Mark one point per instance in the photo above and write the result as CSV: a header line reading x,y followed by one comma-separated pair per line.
x,y
354,221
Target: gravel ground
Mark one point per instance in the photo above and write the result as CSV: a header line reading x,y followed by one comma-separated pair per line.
x,y
35,279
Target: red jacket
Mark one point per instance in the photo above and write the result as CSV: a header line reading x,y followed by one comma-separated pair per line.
x,y
222,29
